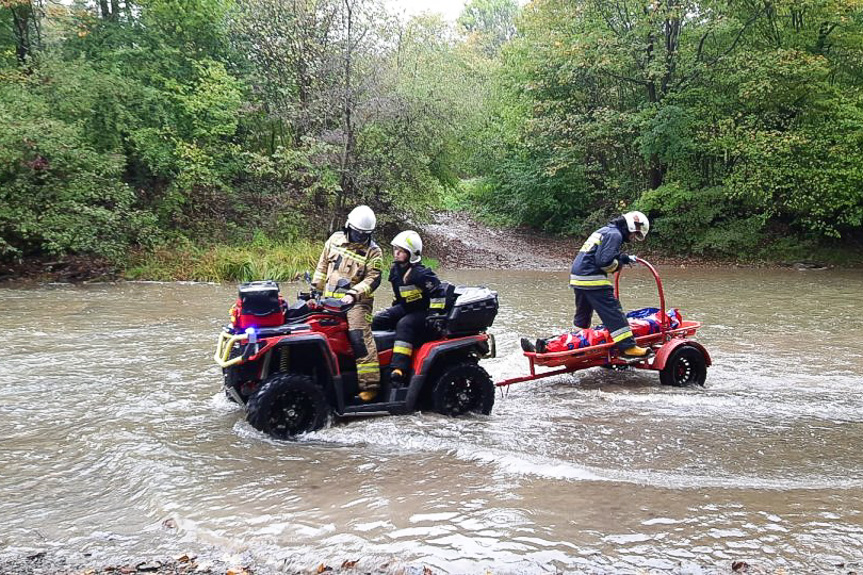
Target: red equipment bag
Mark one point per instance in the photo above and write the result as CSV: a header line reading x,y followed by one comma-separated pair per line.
x,y
258,304
643,322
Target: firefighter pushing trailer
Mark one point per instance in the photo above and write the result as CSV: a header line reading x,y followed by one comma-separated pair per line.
x,y
679,359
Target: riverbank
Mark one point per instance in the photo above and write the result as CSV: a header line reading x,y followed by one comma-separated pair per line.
x,y
455,239
45,563
461,242
271,260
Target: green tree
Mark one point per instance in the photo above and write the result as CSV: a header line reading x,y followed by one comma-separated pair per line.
x,y
727,120
489,23
20,22
57,193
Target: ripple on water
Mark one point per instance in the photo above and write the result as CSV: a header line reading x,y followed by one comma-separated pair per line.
x,y
113,414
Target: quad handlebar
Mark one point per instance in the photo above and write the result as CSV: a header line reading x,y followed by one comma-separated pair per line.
x,y
315,300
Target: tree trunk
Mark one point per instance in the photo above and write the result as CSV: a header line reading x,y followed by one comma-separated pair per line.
x,y
103,8
21,16
348,150
657,171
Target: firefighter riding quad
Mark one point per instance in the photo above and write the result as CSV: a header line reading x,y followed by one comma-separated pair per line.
x,y
679,359
291,367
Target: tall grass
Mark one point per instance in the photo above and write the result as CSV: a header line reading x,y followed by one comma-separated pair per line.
x,y
259,260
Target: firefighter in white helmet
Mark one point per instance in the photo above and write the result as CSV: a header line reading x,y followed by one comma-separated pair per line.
x,y
350,268
416,289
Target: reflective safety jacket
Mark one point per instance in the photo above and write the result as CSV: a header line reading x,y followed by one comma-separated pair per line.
x,y
598,257
348,268
416,288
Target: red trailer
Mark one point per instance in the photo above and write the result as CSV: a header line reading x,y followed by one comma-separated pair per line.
x,y
679,359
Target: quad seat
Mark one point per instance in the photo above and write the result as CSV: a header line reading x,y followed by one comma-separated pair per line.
x,y
384,339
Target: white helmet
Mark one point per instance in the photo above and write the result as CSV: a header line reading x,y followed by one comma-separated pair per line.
x,y
410,242
362,219
637,224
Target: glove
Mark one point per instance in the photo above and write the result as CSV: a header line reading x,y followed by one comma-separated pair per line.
x,y
626,259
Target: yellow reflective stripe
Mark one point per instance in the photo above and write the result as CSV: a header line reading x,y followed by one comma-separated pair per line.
x,y
319,276
377,264
412,295
611,267
367,367
594,240
349,254
590,283
402,350
624,335
437,304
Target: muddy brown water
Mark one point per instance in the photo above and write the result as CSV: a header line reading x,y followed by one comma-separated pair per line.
x,y
112,421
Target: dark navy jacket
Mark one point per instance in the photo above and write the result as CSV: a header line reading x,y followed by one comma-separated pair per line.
x,y
599,256
420,291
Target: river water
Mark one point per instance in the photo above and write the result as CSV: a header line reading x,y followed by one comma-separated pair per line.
x,y
112,422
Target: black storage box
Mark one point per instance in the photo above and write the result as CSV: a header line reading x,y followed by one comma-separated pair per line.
x,y
473,310
258,305
260,298
436,319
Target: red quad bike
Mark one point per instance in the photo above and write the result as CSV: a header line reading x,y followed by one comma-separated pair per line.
x,y
291,367
679,359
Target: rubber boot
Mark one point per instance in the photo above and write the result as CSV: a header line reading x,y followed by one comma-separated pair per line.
x,y
636,352
540,346
526,345
397,377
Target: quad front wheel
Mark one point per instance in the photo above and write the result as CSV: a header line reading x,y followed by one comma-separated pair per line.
x,y
685,366
463,388
287,404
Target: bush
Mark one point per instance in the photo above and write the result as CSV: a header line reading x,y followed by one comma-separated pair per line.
x,y
57,193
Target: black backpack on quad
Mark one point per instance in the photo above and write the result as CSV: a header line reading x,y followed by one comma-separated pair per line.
x,y
293,366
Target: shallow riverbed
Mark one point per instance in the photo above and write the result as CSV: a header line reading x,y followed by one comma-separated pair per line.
x,y
113,422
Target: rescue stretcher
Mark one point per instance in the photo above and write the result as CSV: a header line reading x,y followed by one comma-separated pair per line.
x,y
679,359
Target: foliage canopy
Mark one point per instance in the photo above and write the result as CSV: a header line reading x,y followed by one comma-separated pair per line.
x,y
147,123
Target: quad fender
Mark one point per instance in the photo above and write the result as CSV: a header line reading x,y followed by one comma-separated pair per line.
x,y
432,353
314,340
315,349
665,351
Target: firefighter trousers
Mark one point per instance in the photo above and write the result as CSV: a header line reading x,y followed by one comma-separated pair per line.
x,y
603,302
363,344
409,328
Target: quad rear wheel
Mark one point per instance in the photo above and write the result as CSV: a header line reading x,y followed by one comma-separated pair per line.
x,y
463,388
685,366
286,405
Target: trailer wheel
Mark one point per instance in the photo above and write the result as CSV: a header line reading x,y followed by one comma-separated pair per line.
x,y
685,366
286,405
463,388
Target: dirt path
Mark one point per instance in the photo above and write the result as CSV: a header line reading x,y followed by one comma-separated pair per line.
x,y
459,241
